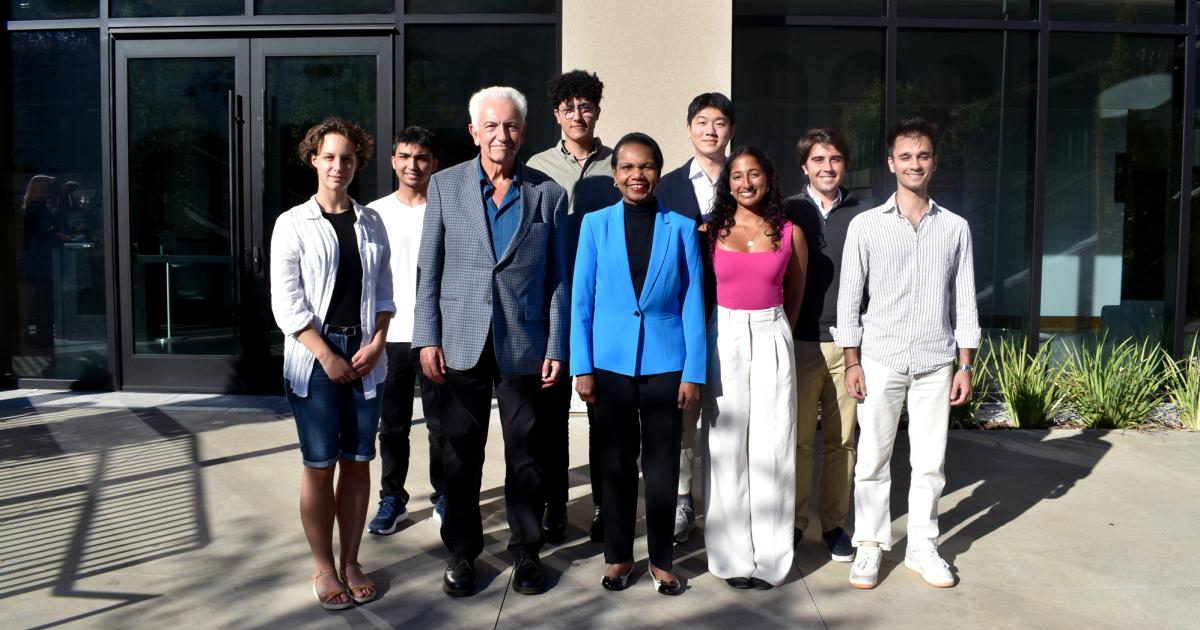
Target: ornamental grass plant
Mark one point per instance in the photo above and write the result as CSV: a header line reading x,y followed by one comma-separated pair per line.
x,y
1114,386
1183,386
1028,385
967,416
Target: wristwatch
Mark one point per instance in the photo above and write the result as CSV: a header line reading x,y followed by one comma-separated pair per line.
x,y
966,367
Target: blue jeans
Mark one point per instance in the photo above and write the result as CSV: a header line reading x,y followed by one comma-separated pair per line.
x,y
335,420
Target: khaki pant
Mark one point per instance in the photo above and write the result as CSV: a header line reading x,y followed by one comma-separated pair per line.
x,y
821,376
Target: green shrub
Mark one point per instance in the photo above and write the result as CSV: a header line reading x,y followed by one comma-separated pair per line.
x,y
1029,386
1114,386
1183,387
966,416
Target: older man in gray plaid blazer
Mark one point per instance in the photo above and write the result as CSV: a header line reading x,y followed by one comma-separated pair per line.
x,y
492,310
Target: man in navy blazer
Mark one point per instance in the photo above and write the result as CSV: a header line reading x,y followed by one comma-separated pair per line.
x,y
689,190
492,310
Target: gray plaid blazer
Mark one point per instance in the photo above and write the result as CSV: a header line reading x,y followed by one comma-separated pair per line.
x,y
521,295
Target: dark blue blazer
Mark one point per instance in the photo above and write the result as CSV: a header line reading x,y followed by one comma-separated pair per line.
x,y
677,193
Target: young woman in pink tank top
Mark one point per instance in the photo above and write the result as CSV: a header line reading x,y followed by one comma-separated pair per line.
x,y
759,261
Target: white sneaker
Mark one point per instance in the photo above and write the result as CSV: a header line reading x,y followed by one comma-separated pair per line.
x,y
926,561
864,573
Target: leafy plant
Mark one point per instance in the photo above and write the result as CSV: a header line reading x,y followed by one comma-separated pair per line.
x,y
966,416
1028,385
1183,386
1114,386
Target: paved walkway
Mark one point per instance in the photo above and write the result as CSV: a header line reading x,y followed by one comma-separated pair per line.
x,y
123,510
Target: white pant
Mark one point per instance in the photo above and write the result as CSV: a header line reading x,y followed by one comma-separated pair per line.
x,y
878,419
749,427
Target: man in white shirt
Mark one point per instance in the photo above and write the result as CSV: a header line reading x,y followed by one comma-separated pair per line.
x,y
403,213
689,190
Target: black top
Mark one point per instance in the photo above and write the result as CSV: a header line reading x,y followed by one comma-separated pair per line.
x,y
639,238
825,239
346,302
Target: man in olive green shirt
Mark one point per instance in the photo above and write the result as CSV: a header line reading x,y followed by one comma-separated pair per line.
x,y
580,164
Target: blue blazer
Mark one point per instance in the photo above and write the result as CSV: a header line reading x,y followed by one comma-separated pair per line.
x,y
676,191
662,330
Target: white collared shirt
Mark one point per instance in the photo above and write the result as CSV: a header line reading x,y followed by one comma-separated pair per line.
x,y
704,188
403,224
820,202
304,262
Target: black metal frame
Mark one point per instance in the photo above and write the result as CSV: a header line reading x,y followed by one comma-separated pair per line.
x,y
891,22
248,25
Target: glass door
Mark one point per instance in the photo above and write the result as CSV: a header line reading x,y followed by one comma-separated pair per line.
x,y
206,161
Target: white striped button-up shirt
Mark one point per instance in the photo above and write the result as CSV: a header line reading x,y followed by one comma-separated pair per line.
x,y
921,288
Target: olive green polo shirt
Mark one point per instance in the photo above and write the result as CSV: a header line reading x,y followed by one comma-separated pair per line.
x,y
589,185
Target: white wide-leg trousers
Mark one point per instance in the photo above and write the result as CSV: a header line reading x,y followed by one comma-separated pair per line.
x,y
749,429
878,420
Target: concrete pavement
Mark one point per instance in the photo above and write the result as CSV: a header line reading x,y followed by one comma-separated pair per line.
x,y
126,510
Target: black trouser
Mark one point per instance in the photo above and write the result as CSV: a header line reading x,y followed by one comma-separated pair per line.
x,y
465,406
554,409
395,422
620,402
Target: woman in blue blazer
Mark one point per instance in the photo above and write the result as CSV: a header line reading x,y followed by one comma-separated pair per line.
x,y
638,353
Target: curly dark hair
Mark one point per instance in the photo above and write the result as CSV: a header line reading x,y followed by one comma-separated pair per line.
x,y
575,84
311,144
721,222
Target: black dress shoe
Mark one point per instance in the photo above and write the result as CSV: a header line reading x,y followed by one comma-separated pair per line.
x,y
597,531
459,580
760,584
738,582
619,583
529,578
554,523
672,587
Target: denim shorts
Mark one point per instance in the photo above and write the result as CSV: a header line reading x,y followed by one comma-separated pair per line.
x,y
335,421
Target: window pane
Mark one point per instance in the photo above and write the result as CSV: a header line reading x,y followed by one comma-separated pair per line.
x,y
1111,184
444,65
973,9
1141,11
480,6
1192,321
54,9
322,7
980,89
57,318
176,8
870,8
787,80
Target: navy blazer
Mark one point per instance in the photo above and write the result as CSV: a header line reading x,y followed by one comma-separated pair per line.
x,y
661,330
677,193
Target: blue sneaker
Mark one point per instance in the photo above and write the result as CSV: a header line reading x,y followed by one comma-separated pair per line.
x,y
439,508
391,513
838,544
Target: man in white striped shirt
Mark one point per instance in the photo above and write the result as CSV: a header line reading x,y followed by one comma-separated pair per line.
x,y
913,258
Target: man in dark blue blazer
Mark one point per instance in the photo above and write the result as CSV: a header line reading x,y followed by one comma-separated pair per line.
x,y
689,190
492,311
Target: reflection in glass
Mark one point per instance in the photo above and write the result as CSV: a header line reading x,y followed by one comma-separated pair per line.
x,y
971,9
1111,185
864,8
323,7
54,229
1127,11
54,9
176,8
183,273
444,65
1192,318
790,79
479,6
980,89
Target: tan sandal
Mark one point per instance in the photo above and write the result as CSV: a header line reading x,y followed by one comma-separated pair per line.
x,y
369,585
326,598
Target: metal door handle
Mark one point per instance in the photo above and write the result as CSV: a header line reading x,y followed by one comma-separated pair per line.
x,y
256,260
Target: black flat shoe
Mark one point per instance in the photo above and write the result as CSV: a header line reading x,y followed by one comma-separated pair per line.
x,y
672,588
760,584
619,583
597,530
554,523
529,578
738,582
459,579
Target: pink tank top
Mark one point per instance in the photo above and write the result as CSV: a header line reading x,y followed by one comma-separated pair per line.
x,y
750,281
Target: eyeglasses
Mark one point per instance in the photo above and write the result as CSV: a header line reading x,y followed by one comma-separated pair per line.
x,y
582,109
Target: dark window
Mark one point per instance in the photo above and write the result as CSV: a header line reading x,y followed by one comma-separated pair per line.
x,y
57,313
856,8
1141,11
176,8
1111,183
790,79
54,9
973,9
445,65
479,6
322,7
980,89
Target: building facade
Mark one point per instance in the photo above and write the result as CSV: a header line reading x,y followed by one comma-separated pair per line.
x,y
149,146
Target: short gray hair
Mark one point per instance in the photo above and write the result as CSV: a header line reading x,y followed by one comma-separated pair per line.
x,y
496,92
